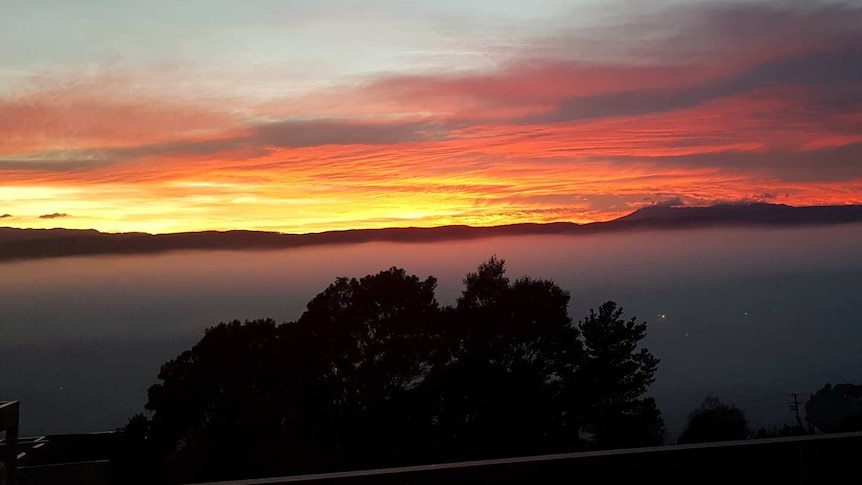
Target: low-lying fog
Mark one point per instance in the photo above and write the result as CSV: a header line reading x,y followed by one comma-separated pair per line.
x,y
749,315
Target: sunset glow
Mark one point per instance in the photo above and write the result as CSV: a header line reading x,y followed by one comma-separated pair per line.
x,y
309,116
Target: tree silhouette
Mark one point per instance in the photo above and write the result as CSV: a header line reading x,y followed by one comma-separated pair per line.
x,y
836,409
208,411
614,375
375,340
375,373
514,352
715,421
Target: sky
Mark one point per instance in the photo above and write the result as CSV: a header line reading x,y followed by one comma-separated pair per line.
x,y
313,115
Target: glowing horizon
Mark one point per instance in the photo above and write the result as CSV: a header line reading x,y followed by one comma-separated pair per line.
x,y
312,116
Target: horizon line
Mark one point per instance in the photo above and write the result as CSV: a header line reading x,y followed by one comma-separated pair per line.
x,y
422,227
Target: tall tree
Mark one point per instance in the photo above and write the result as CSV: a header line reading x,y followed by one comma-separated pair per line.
x,y
614,376
514,352
375,340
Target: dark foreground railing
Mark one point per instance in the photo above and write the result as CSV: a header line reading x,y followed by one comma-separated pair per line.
x,y
819,459
81,473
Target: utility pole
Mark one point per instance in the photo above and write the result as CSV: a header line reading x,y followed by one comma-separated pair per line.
x,y
795,408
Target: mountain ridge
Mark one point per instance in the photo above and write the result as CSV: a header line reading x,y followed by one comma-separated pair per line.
x,y
17,244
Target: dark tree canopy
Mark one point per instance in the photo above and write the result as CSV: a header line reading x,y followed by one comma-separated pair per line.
x,y
514,351
715,421
615,375
836,409
211,396
373,341
377,373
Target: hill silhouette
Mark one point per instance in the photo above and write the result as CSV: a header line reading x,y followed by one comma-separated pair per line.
x,y
50,243
754,214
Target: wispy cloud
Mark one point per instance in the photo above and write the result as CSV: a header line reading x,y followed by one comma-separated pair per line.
x,y
55,215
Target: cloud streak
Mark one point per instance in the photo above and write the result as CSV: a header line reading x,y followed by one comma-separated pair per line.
x,y
55,215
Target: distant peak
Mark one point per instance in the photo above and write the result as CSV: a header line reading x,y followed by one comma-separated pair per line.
x,y
749,212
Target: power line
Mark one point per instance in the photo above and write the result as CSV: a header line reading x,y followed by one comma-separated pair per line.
x,y
761,406
761,399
